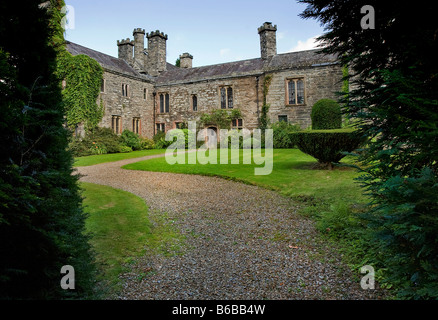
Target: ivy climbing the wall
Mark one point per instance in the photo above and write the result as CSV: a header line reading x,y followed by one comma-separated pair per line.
x,y
83,78
264,119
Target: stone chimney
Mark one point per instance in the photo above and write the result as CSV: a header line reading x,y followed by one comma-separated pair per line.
x,y
125,50
268,40
139,56
156,61
186,60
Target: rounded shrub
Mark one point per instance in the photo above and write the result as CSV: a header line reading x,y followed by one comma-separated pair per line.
x,y
326,114
131,140
328,146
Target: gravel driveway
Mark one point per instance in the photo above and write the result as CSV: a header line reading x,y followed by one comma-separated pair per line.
x,y
241,242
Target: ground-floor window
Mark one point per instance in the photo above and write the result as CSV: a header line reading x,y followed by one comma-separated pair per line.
x,y
282,118
136,125
237,124
116,124
161,127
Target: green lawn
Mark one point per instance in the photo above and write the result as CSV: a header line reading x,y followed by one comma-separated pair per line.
x,y
293,175
121,229
96,159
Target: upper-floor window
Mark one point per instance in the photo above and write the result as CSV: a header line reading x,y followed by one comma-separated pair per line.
x,y
145,94
227,100
102,86
195,102
125,90
164,103
295,91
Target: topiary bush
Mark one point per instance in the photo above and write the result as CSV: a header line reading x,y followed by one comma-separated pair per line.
x,y
328,146
326,114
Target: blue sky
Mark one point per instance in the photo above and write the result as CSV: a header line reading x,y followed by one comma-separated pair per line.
x,y
212,31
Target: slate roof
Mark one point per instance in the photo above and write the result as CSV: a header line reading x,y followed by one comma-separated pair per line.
x,y
108,62
175,75
246,67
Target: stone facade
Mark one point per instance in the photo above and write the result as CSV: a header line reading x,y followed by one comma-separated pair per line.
x,y
141,87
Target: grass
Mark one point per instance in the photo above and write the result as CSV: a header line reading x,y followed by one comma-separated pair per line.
x,y
103,158
293,175
122,230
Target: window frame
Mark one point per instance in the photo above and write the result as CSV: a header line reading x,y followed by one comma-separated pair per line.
x,y
283,116
193,105
160,127
295,80
226,89
116,124
136,125
164,102
125,90
235,124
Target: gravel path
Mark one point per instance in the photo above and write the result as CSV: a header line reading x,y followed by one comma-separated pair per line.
x,y
241,242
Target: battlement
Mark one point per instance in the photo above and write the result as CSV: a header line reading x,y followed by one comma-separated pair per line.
x,y
125,42
138,30
267,26
155,34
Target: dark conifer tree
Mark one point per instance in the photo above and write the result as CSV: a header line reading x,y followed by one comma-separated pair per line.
x,y
41,217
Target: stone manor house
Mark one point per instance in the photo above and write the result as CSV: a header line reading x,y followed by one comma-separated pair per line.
x,y
144,93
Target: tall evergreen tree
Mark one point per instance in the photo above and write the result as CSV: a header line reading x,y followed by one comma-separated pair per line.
x,y
41,217
391,50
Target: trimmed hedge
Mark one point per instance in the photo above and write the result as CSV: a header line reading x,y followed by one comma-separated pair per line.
x,y
328,146
326,114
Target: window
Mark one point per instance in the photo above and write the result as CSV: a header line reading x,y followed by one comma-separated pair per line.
x,y
136,125
116,124
145,94
295,92
167,102
226,97
282,118
102,86
237,124
195,103
179,125
164,103
125,91
161,127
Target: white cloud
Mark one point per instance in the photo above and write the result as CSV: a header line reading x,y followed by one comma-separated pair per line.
x,y
308,44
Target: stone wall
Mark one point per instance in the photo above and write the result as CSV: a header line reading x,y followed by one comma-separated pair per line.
x,y
128,107
320,82
208,96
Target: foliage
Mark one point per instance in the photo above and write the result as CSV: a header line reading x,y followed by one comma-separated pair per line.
x,y
264,119
83,78
42,223
98,141
282,134
178,63
131,139
395,101
160,140
328,146
220,118
326,115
